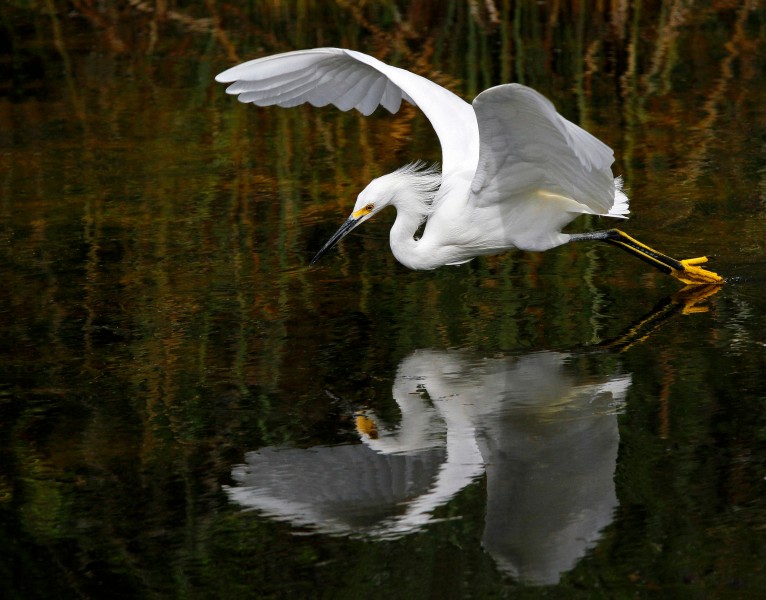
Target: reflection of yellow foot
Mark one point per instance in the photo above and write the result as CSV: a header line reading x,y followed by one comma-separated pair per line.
x,y
691,274
687,300
367,426
690,297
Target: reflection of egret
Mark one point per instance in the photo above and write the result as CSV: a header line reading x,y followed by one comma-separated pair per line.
x,y
545,436
514,171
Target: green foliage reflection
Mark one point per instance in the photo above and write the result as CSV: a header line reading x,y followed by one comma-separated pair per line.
x,y
158,318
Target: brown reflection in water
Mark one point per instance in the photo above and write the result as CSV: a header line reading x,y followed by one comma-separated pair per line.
x,y
157,318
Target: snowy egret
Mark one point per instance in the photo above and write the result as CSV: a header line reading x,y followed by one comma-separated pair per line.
x,y
514,172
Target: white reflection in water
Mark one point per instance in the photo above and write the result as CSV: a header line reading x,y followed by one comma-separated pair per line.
x,y
545,437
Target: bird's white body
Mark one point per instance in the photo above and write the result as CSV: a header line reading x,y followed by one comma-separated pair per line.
x,y
514,171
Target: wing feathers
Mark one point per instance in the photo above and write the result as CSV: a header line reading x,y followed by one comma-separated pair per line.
x,y
527,147
392,98
373,96
354,96
351,79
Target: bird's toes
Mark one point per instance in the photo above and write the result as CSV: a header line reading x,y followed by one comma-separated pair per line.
x,y
691,274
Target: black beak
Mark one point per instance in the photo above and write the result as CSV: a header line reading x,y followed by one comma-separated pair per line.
x,y
344,230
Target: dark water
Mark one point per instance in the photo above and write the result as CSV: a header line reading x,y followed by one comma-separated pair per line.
x,y
188,410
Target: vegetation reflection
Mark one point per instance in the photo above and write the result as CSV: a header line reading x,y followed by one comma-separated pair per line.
x,y
158,320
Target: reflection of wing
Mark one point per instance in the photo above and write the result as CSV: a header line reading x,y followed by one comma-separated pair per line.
x,y
335,489
350,79
527,147
550,481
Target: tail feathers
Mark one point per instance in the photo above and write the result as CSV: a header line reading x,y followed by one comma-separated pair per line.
x,y
620,207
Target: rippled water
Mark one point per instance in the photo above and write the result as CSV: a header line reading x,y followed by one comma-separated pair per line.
x,y
187,409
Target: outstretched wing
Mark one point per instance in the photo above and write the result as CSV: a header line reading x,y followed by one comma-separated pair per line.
x,y
526,146
350,79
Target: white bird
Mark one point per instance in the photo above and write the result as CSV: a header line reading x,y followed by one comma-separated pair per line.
x,y
514,172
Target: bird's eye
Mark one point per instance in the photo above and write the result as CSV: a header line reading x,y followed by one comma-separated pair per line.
x,y
369,207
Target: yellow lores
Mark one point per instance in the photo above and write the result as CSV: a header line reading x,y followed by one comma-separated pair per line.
x,y
363,212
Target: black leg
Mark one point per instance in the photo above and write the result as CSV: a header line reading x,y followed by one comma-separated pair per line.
x,y
687,270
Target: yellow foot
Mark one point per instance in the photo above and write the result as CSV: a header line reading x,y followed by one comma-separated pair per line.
x,y
683,270
691,274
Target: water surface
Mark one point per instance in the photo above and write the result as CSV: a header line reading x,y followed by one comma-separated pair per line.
x,y
189,410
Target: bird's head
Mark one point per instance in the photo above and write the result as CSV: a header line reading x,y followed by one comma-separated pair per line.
x,y
375,197
410,188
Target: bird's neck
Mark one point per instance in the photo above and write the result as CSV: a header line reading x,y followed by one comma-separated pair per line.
x,y
405,247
